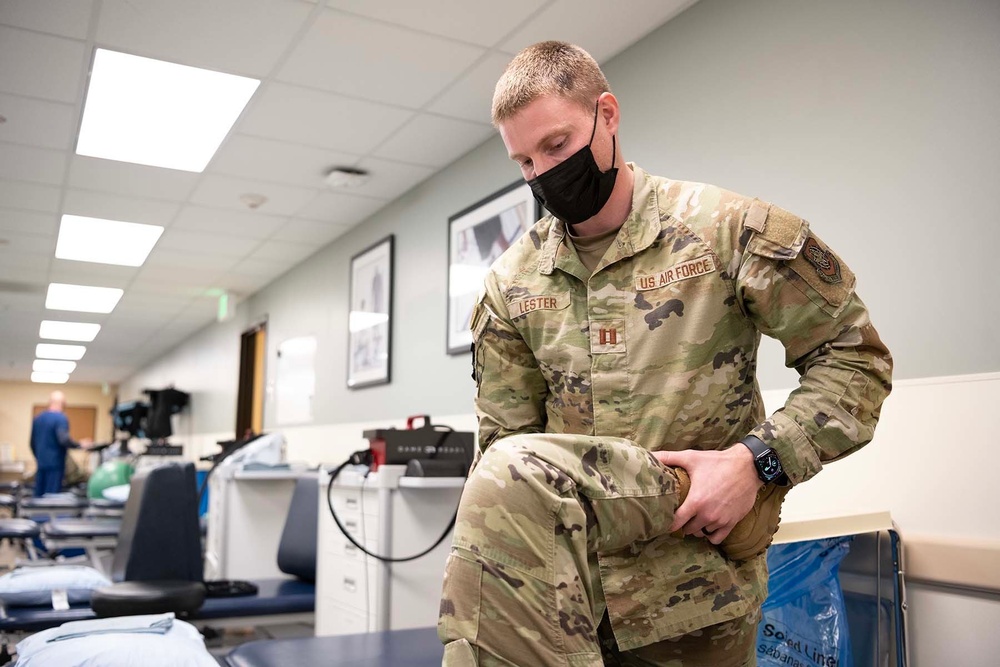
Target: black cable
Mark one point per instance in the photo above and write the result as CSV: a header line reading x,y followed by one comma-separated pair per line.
x,y
363,457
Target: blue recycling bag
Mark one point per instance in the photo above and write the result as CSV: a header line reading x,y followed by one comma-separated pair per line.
x,y
804,620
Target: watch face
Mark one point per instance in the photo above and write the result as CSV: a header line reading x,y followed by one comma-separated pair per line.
x,y
769,465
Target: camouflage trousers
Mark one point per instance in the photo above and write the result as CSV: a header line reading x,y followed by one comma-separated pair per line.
x,y
522,585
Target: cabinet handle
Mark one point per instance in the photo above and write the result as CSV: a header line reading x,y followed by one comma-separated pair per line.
x,y
352,503
352,525
350,585
350,549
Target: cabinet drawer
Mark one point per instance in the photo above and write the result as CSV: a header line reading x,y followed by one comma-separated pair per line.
x,y
332,538
348,581
340,548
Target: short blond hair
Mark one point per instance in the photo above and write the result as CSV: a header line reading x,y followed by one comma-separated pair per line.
x,y
547,68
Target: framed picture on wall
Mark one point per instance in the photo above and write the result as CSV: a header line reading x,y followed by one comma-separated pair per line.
x,y
369,339
476,237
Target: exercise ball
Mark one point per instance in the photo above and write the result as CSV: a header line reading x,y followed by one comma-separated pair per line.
x,y
111,473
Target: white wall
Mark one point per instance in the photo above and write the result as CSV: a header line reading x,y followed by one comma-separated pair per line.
x,y
877,121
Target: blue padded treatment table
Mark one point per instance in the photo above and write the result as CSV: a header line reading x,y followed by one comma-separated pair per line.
x,y
82,528
396,648
274,597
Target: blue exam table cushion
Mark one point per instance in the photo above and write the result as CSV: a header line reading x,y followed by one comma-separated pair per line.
x,y
18,528
397,648
274,597
33,586
82,528
158,640
55,501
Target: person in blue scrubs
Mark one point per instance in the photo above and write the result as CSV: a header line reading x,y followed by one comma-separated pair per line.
x,y
49,442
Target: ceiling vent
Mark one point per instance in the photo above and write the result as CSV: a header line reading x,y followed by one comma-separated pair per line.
x,y
345,177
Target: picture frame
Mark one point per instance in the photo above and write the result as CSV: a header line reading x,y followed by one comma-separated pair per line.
x,y
369,339
478,235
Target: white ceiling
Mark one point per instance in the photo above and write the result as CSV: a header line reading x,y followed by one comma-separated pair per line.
x,y
397,87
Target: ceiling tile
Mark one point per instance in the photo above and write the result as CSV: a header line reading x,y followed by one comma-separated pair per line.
x,y
152,283
138,302
244,37
28,222
228,222
200,278
290,253
477,22
471,96
37,122
204,243
130,180
434,141
608,30
269,160
243,285
56,65
310,231
69,19
28,243
225,192
13,254
340,209
355,56
263,268
390,179
184,259
24,275
114,207
35,165
316,118
89,273
29,196
23,301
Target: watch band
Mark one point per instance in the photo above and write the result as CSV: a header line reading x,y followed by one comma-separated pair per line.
x,y
755,445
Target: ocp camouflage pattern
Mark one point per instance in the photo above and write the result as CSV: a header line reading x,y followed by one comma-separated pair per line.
x,y
659,346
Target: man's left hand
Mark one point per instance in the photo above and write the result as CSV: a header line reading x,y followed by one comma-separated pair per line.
x,y
724,485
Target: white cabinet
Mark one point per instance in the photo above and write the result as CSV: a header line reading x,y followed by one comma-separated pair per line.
x,y
390,515
247,512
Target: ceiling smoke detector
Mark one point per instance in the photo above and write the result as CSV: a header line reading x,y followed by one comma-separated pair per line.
x,y
252,200
345,177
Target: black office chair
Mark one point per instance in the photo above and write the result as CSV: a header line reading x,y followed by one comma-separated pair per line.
x,y
297,549
157,562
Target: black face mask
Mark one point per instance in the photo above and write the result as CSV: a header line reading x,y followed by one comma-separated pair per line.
x,y
576,189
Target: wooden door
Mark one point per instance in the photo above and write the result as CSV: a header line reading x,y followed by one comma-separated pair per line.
x,y
82,420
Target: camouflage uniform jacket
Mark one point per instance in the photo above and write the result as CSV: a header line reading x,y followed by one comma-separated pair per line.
x,y
659,346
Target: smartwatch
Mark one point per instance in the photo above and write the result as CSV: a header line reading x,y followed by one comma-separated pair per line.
x,y
765,460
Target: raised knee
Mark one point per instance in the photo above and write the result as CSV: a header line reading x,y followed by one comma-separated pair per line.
x,y
520,461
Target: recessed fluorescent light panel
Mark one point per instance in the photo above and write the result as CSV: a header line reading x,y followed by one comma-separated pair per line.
x,y
50,378
83,332
82,298
52,366
53,351
105,241
158,113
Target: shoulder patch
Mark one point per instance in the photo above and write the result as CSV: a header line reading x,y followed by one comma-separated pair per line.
x,y
821,269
